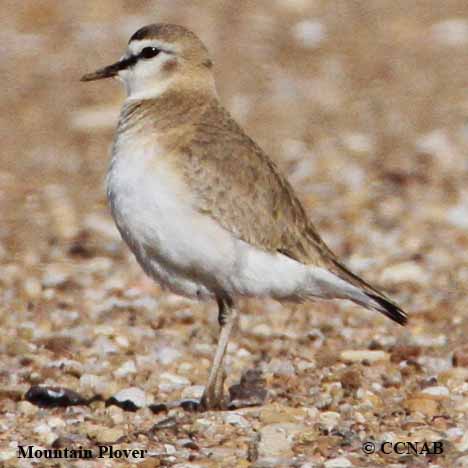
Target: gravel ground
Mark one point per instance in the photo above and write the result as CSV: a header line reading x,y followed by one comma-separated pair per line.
x,y
364,105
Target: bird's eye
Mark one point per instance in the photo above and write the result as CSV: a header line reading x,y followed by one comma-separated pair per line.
x,y
149,52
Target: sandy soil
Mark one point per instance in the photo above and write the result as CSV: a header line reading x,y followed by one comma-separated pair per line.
x,y
364,105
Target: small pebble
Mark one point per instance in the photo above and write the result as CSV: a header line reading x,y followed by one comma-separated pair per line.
x,y
54,422
440,391
281,367
329,419
429,341
125,369
426,406
277,439
462,406
364,355
116,413
193,392
8,454
236,420
439,145
122,341
167,355
408,272
454,433
45,434
107,435
460,357
261,330
170,382
434,365
129,399
339,462
351,380
26,408
91,382
462,445
457,214
54,276
170,449
32,287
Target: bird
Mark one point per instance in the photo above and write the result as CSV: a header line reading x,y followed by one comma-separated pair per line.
x,y
205,211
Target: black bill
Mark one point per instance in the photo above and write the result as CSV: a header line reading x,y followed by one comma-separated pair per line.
x,y
109,71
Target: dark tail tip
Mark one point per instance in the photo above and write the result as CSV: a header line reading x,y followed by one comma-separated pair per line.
x,y
389,309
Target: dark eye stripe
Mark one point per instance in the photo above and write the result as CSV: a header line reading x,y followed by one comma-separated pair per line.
x,y
146,53
127,62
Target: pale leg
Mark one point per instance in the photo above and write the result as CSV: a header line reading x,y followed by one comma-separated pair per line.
x,y
213,397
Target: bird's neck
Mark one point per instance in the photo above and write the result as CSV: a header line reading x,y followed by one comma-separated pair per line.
x,y
175,107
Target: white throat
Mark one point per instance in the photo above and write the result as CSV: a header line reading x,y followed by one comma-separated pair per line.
x,y
144,90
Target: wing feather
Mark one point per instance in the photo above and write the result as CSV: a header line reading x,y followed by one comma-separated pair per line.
x,y
240,187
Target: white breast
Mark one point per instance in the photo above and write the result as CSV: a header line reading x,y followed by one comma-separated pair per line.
x,y
153,211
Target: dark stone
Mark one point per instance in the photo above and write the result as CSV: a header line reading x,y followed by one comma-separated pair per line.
x,y
250,391
52,397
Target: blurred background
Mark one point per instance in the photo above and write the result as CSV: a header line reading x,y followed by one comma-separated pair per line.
x,y
364,106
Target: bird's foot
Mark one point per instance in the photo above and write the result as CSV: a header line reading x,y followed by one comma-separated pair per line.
x,y
212,401
250,391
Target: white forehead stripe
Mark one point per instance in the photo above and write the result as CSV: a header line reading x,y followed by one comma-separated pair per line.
x,y
136,46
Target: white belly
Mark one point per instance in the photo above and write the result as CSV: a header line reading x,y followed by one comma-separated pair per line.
x,y
189,252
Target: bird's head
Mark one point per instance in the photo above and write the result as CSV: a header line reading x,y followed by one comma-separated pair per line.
x,y
160,57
